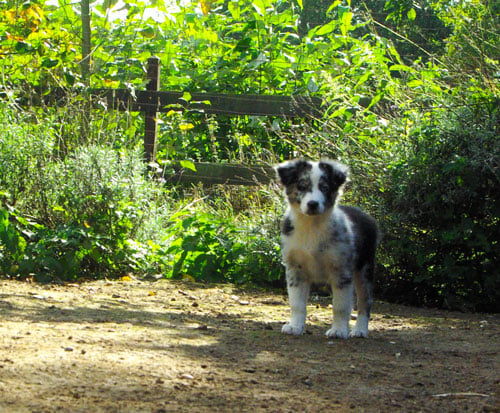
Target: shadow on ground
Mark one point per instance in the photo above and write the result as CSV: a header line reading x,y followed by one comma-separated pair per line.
x,y
168,346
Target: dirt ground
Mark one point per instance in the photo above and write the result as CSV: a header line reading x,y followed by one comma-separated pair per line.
x,y
133,346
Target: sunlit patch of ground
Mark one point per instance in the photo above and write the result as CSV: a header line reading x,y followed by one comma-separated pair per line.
x,y
170,346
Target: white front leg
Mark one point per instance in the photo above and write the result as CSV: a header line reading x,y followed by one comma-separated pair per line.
x,y
342,306
361,327
298,293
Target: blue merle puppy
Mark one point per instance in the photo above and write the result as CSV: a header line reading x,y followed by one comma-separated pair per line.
x,y
323,242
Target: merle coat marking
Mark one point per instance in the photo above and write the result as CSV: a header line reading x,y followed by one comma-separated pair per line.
x,y
323,242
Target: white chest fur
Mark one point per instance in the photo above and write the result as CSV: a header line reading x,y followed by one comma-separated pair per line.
x,y
318,246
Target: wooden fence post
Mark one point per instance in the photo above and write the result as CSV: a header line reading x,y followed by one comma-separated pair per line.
x,y
150,124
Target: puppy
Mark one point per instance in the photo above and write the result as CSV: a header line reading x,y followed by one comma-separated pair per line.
x,y
323,242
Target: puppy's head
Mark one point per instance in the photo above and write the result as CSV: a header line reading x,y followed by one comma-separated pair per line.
x,y
312,187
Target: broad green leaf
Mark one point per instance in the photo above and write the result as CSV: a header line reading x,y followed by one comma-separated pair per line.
x,y
412,14
415,83
188,165
334,5
261,59
325,29
148,32
48,63
234,9
397,68
346,22
260,7
312,86
364,77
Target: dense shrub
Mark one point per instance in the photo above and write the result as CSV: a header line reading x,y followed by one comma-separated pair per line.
x,y
441,212
75,217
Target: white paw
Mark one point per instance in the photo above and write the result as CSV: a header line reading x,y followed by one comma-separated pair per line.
x,y
336,332
361,327
290,329
359,333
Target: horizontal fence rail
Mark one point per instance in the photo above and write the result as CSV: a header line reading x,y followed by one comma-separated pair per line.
x,y
229,174
210,103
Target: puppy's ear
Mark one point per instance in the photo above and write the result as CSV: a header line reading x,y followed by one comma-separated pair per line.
x,y
289,171
337,173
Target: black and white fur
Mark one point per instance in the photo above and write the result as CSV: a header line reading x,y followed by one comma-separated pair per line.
x,y
323,242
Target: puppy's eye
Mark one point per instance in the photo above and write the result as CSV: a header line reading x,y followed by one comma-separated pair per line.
x,y
324,187
302,186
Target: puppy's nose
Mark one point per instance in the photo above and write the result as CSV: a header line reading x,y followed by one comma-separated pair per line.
x,y
313,206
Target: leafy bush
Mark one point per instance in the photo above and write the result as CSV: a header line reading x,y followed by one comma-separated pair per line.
x,y
66,252
88,207
442,209
25,153
99,215
206,247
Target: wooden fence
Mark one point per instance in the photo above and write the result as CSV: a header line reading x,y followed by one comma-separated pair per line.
x,y
153,101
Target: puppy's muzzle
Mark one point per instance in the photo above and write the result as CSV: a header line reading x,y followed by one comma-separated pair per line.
x,y
313,208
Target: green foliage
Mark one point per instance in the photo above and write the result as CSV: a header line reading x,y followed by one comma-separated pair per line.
x,y
444,203
88,206
23,154
95,213
210,248
11,242
205,250
411,104
414,28
35,47
66,252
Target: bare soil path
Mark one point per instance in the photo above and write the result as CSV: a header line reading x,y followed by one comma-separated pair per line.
x,y
182,347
